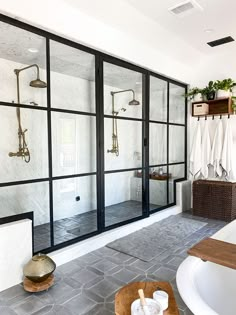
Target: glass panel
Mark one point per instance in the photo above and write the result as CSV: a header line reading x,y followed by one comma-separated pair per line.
x,y
126,150
177,104
176,171
122,200
26,198
157,144
34,123
118,80
20,49
74,144
72,78
158,99
75,204
158,187
176,144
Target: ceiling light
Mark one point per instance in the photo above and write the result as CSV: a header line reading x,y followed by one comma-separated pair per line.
x,y
33,50
138,83
209,30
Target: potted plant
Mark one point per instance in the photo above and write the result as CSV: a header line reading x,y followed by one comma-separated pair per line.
x,y
209,91
234,103
194,94
224,87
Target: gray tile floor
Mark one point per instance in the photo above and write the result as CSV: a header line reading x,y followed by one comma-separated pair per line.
x,y
87,285
82,224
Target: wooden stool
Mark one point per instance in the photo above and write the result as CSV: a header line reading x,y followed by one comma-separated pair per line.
x,y
31,286
126,295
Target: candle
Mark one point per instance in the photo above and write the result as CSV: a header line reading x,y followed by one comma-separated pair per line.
x,y
162,297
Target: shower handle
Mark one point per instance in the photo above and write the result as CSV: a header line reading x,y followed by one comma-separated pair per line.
x,y
19,154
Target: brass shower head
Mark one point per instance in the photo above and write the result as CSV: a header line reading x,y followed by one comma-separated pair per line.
x,y
38,83
134,102
34,83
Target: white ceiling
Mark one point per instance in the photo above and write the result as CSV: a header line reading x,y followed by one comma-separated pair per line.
x,y
15,42
218,15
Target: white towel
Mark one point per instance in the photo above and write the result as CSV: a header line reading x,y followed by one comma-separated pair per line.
x,y
206,151
196,152
217,150
227,151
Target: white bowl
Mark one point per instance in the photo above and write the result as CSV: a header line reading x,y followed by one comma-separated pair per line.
x,y
154,307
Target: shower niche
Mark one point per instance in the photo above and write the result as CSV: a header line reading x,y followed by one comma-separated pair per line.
x,y
84,135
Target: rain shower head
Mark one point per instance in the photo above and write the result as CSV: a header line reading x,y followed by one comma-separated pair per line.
x,y
38,83
34,83
134,102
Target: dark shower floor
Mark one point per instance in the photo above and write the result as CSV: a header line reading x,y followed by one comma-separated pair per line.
x,y
81,224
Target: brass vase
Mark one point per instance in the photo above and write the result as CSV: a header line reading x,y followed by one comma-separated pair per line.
x,y
39,268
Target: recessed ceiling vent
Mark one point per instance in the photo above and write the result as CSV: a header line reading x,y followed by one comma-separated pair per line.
x,y
185,8
221,41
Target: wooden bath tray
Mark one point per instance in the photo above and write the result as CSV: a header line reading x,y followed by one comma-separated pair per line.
x,y
218,252
126,295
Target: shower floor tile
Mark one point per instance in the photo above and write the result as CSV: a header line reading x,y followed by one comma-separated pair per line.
x,y
85,223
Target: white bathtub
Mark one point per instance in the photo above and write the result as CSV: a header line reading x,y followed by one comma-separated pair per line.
x,y
208,288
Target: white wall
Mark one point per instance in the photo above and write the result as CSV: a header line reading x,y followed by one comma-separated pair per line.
x,y
15,251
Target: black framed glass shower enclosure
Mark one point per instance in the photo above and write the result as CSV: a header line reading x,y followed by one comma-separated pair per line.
x,y
90,142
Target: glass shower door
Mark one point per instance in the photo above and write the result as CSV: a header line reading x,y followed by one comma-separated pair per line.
x,y
123,127
158,178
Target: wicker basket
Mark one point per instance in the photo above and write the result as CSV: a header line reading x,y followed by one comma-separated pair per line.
x,y
214,199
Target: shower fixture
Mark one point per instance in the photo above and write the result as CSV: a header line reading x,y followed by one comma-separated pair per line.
x,y
115,142
23,150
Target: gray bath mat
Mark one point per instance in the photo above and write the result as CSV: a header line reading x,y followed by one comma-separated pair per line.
x,y
151,241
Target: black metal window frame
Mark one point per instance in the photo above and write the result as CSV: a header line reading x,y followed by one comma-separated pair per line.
x,y
100,58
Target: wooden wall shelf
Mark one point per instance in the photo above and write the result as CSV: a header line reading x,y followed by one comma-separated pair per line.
x,y
218,252
220,106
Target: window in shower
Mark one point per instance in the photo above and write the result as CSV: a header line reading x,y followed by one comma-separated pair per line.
x,y
21,49
75,208
73,120
89,142
73,75
158,127
73,144
14,168
123,201
167,143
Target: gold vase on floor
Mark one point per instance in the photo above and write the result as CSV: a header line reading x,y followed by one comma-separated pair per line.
x,y
39,268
